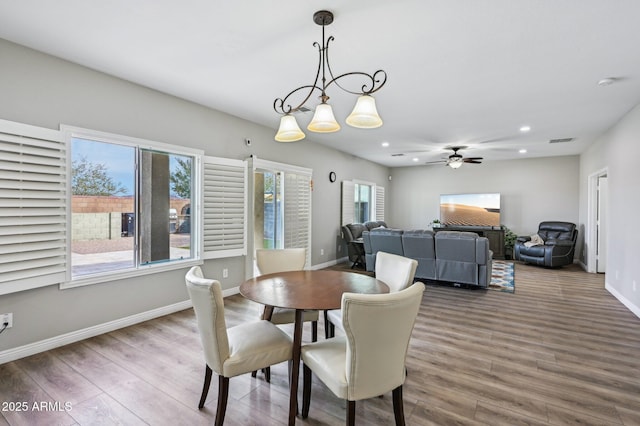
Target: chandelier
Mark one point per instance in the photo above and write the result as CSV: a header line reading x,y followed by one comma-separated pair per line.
x,y
364,114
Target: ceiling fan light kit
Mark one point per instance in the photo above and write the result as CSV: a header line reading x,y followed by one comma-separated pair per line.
x,y
456,160
364,115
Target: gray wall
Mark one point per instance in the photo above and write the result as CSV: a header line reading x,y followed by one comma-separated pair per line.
x,y
531,190
618,150
40,90
44,91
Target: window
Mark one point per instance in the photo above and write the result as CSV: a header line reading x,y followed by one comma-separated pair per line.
x,y
281,206
361,202
131,204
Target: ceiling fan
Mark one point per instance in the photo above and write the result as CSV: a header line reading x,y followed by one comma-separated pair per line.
x,y
455,160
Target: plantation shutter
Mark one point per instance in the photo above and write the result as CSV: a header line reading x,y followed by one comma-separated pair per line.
x,y
379,203
224,208
348,203
297,211
33,216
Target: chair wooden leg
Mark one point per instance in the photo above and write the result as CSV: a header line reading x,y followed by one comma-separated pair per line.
x,y
329,328
205,388
351,413
306,390
314,331
267,374
398,406
254,373
223,393
326,324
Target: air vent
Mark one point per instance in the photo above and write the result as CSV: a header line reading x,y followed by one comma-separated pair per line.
x,y
563,140
302,109
397,155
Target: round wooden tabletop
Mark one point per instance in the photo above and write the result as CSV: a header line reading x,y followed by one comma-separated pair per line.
x,y
319,290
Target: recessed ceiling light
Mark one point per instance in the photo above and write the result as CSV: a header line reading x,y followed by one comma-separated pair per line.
x,y
415,159
385,144
523,151
525,129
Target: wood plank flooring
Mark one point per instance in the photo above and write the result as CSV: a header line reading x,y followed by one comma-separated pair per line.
x,y
559,351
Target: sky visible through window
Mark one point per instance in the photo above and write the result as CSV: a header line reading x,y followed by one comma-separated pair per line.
x,y
118,159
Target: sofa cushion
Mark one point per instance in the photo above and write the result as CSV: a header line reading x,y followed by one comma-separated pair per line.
x,y
385,239
375,224
556,230
381,239
419,244
462,257
455,245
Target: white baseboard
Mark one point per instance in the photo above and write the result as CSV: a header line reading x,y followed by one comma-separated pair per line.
x,y
329,263
626,302
75,336
86,333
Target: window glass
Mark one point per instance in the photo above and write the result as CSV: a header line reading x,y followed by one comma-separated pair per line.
x,y
362,199
102,207
130,207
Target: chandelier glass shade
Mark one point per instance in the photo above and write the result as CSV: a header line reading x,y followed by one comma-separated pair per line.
x,y
323,120
364,115
289,130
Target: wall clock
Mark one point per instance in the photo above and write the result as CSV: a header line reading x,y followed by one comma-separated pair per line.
x,y
332,176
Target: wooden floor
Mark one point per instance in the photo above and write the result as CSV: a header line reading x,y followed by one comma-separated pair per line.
x,y
559,351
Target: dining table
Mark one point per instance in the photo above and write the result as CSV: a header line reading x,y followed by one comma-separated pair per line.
x,y
306,290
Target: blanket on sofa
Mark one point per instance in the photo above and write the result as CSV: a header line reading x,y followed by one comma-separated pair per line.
x,y
536,240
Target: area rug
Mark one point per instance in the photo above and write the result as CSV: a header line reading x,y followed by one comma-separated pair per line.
x,y
502,276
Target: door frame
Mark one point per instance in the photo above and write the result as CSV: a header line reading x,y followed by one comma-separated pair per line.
x,y
591,239
258,163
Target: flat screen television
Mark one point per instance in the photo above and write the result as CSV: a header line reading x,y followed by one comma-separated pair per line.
x,y
470,209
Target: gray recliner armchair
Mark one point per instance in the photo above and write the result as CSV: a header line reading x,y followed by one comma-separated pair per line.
x,y
557,247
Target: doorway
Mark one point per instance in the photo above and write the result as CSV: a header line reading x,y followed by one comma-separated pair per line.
x,y
595,255
601,225
279,208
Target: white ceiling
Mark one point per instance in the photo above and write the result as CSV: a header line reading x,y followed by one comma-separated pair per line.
x,y
460,72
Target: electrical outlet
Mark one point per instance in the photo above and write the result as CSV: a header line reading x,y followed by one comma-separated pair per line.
x,y
321,252
634,285
225,273
8,318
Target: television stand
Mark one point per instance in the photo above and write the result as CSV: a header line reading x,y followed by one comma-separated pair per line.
x,y
495,235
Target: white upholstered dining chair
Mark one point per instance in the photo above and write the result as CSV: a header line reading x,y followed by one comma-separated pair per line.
x,y
369,360
237,350
395,271
280,260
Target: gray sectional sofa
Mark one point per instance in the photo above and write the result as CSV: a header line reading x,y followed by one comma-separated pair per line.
x,y
453,256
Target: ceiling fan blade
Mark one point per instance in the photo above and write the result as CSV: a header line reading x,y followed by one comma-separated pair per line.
x,y
472,161
473,158
436,162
